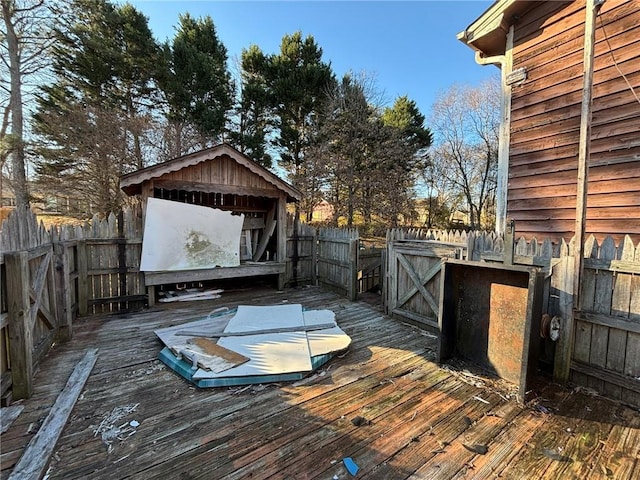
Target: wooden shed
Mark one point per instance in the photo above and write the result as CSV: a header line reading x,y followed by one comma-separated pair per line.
x,y
223,178
570,140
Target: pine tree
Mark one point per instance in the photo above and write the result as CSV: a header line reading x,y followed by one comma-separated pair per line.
x,y
253,112
198,85
92,118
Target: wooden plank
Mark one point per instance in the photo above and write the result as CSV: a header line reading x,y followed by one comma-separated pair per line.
x,y
114,300
281,231
326,238
61,295
634,302
418,283
562,282
619,266
253,223
211,348
217,188
604,375
301,328
602,305
609,321
335,262
95,272
244,270
596,187
267,233
428,276
621,450
38,285
420,320
353,270
632,359
504,138
36,457
20,332
8,415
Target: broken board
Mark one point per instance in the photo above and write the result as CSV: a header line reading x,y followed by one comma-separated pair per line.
x,y
306,340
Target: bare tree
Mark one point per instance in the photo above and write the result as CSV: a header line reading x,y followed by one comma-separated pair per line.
x,y
24,39
465,122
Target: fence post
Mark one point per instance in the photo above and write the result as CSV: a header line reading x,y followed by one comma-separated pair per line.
x,y
353,260
314,258
383,278
63,294
563,279
83,278
20,335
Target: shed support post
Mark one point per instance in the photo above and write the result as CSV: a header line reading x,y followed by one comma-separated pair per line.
x,y
20,329
281,239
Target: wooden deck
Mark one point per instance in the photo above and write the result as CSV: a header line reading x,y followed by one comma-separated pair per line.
x,y
421,416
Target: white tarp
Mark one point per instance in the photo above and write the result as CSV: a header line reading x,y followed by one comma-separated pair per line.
x,y
180,236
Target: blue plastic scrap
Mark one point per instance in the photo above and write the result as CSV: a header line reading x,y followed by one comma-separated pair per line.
x,y
351,466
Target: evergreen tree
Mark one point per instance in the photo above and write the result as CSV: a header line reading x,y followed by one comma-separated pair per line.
x,y
360,159
406,117
297,80
198,85
253,113
92,118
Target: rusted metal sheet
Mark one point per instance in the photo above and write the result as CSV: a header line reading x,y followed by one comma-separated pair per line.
x,y
490,315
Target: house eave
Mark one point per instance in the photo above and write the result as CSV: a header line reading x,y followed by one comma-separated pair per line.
x,y
488,33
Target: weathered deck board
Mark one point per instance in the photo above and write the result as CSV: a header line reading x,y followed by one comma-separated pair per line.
x,y
420,413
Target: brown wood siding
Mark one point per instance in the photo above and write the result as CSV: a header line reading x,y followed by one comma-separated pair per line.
x,y
220,171
545,122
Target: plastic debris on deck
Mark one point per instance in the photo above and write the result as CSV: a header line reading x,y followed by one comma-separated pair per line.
x,y
252,344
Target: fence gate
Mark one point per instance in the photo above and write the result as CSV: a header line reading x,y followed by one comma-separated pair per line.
x,y
338,260
412,291
370,271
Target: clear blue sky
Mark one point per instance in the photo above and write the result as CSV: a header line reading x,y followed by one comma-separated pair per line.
x,y
410,47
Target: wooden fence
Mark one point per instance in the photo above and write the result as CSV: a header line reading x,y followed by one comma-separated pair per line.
x,y
51,276
302,241
338,260
599,344
30,316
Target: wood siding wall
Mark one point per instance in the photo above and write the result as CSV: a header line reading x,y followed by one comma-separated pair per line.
x,y
220,175
545,121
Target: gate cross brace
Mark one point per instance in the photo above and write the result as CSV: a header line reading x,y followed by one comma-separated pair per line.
x,y
419,284
35,292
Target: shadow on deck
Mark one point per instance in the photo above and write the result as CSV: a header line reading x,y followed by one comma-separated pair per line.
x,y
417,420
